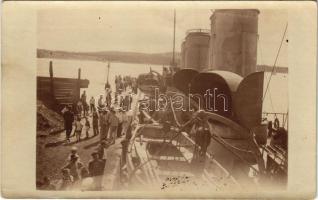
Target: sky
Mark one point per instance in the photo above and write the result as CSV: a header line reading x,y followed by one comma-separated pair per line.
x,y
145,29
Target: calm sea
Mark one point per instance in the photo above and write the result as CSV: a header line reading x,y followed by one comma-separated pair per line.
x,y
96,72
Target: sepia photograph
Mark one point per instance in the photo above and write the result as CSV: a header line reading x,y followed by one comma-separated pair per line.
x,y
157,99
129,99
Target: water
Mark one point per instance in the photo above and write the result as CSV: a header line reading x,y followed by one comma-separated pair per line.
x,y
276,98
94,71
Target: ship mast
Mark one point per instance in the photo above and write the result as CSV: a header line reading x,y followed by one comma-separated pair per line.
x,y
174,39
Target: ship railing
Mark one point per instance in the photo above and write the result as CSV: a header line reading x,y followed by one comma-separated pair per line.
x,y
281,116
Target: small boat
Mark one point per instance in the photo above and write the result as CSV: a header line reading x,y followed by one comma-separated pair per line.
x,y
148,82
168,160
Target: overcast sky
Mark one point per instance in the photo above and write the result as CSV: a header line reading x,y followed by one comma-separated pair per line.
x,y
144,29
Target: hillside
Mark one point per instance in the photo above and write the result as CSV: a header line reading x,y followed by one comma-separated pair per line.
x,y
115,56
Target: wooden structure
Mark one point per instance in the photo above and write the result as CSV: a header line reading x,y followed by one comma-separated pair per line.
x,y
56,92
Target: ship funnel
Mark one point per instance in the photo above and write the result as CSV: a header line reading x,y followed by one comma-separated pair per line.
x,y
195,49
233,40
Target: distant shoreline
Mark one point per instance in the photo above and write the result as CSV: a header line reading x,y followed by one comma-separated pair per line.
x,y
111,56
129,57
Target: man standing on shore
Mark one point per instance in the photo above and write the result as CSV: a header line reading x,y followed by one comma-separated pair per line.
x,y
96,170
92,104
113,125
103,124
84,103
68,121
119,115
101,105
95,123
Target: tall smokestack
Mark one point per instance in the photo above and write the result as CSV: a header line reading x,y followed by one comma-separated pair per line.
x,y
233,43
196,49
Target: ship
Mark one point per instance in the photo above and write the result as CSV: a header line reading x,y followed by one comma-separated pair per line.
x,y
217,138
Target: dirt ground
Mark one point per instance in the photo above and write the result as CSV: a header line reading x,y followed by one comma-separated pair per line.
x,y
48,121
52,154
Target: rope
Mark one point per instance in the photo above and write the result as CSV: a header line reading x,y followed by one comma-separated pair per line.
x,y
174,114
261,61
281,43
271,101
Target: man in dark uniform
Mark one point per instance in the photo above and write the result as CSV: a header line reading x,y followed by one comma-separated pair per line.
x,y
96,170
84,103
68,122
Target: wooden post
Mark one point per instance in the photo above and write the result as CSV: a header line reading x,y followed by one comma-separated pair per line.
x,y
78,84
52,85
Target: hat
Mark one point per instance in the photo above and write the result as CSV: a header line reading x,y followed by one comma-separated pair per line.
x,y
73,156
74,148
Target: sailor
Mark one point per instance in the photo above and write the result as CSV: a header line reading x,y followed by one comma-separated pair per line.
x,y
84,103
270,129
125,122
68,121
79,108
121,87
73,152
103,124
206,140
95,123
108,97
119,115
113,125
202,138
96,169
92,104
280,138
134,86
83,97
141,115
121,101
78,129
127,102
74,166
101,150
100,103
87,127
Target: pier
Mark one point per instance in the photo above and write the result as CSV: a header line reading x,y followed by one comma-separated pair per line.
x,y
56,92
